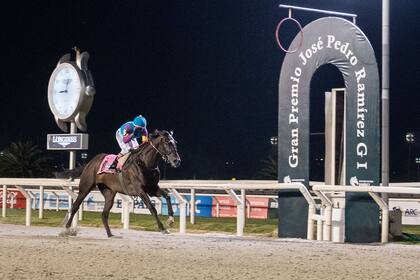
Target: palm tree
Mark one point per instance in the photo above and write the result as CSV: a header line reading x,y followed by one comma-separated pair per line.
x,y
269,168
24,160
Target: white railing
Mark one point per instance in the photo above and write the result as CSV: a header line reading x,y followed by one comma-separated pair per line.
x,y
232,188
236,190
374,192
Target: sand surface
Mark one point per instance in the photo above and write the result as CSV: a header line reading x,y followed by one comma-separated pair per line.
x,y
39,253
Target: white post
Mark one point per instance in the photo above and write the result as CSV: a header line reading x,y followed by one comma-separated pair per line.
x,y
385,95
126,211
319,228
159,205
248,209
28,212
72,163
70,201
81,211
33,200
57,201
192,207
126,221
122,210
217,207
311,212
41,202
28,205
327,227
182,204
243,203
4,202
326,213
385,216
182,218
240,212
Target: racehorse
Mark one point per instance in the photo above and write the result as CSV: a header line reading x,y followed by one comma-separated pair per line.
x,y
139,177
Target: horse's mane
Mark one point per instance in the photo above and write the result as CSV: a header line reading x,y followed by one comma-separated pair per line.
x,y
137,154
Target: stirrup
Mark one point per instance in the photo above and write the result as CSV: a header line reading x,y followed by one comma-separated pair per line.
x,y
114,165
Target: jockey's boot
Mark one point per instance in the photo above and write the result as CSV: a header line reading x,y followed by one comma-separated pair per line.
x,y
114,164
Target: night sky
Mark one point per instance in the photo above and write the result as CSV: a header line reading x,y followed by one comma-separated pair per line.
x,y
206,69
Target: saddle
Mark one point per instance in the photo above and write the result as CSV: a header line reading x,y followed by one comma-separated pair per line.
x,y
108,164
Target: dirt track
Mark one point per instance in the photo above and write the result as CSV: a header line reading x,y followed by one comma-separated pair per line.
x,y
38,253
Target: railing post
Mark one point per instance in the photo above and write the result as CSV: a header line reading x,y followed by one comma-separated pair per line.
x,y
33,200
326,214
182,204
311,212
192,207
217,207
4,201
81,211
240,212
327,228
243,203
41,202
70,199
28,205
57,201
319,228
385,215
126,211
122,210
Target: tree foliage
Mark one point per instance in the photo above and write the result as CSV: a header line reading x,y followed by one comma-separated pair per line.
x,y
24,160
269,168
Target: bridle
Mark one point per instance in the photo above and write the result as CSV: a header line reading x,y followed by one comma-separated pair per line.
x,y
165,157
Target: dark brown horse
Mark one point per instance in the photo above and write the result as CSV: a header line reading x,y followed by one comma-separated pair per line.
x,y
139,177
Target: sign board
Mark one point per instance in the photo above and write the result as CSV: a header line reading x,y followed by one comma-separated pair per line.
x,y
410,209
336,41
14,199
257,207
77,141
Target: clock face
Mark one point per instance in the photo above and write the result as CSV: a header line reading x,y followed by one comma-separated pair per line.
x,y
64,90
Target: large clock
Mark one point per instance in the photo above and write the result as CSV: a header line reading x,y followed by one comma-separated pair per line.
x,y
71,90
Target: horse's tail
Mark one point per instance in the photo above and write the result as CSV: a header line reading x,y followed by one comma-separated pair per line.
x,y
75,172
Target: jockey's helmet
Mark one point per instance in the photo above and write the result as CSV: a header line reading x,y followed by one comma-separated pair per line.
x,y
140,121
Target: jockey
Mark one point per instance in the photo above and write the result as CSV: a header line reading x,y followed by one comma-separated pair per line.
x,y
128,134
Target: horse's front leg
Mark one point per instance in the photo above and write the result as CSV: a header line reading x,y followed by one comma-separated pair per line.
x,y
153,211
165,194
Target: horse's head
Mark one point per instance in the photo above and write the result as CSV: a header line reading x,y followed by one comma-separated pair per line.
x,y
165,143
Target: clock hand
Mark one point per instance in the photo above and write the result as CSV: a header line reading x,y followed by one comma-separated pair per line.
x,y
61,91
67,85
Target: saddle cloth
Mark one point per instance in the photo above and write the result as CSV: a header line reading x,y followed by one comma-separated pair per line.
x,y
105,165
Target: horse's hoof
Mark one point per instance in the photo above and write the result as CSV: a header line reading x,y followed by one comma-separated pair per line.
x,y
69,232
115,236
165,231
170,222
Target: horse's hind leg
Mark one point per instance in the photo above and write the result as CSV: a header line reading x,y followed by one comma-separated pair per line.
x,y
165,194
109,196
153,211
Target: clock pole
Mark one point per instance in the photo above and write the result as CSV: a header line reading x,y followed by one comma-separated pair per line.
x,y
72,161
